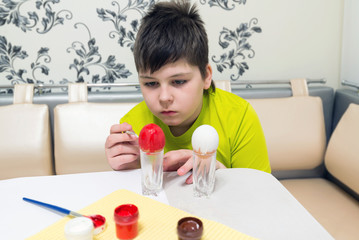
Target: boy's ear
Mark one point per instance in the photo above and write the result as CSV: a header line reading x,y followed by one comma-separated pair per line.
x,y
208,79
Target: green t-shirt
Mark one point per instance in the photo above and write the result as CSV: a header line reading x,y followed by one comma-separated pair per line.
x,y
241,139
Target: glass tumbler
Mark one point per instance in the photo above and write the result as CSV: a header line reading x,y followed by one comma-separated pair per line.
x,y
204,168
152,172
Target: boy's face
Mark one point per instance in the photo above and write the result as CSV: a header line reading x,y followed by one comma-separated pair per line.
x,y
174,93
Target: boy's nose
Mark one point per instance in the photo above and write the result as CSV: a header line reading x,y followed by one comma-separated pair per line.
x,y
165,95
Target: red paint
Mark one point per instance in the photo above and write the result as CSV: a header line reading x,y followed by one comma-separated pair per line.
x,y
126,218
98,220
152,138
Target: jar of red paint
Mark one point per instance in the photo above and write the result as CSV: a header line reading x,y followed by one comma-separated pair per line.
x,y
126,219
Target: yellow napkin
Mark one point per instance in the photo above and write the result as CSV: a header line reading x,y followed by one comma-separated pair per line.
x,y
156,220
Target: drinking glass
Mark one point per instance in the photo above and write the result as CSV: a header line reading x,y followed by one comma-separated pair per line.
x,y
152,172
204,168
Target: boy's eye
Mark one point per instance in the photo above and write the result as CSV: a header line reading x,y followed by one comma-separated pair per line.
x,y
151,84
179,82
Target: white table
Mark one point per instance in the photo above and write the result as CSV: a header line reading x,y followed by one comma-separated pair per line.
x,y
250,201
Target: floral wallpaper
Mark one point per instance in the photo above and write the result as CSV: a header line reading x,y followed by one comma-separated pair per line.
x,y
60,41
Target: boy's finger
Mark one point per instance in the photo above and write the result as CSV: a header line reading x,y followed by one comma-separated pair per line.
x,y
189,180
173,160
125,161
185,167
119,128
219,165
114,139
122,148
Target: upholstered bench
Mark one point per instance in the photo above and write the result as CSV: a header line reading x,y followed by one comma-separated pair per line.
x,y
294,129
334,203
81,129
297,129
25,138
296,141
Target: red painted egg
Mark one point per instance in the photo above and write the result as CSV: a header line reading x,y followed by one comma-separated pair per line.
x,y
152,138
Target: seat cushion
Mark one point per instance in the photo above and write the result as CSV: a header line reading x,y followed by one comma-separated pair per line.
x,y
291,125
80,132
341,158
25,141
336,210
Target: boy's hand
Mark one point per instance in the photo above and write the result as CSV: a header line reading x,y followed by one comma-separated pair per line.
x,y
122,150
182,162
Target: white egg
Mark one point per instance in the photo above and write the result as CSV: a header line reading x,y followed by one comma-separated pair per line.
x,y
205,139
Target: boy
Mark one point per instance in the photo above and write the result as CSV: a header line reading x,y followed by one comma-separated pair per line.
x,y
171,57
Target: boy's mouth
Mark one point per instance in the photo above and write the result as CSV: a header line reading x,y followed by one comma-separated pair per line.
x,y
168,113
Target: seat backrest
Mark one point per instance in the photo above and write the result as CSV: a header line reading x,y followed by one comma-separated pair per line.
x,y
224,85
294,130
80,132
25,138
342,155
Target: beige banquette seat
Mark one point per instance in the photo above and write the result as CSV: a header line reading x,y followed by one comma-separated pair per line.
x,y
224,85
294,129
81,129
25,137
334,208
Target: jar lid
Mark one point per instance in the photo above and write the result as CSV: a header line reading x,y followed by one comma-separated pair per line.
x,y
126,213
190,228
79,228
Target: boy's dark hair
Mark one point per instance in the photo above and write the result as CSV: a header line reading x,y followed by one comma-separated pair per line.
x,y
169,32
